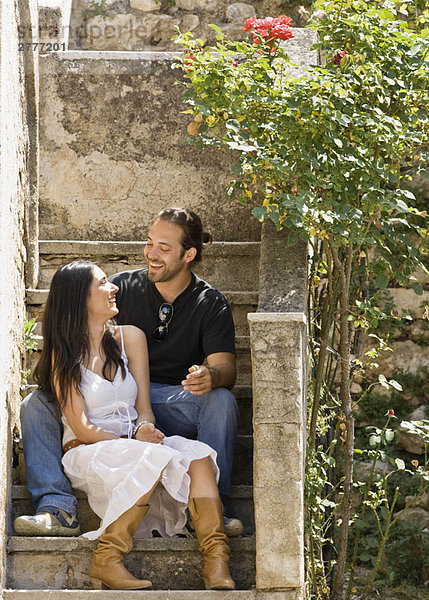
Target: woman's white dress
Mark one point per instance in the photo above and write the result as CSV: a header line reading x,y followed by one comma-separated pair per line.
x,y
115,474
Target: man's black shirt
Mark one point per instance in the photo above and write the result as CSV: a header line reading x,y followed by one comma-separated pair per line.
x,y
201,325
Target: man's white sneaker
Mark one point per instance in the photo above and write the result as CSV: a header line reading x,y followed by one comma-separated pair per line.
x,y
60,524
233,527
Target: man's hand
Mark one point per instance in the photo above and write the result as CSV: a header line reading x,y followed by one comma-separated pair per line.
x,y
199,381
149,433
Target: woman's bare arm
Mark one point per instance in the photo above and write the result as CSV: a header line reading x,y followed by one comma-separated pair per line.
x,y
138,364
76,414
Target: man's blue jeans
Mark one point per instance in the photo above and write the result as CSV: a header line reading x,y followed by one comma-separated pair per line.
x,y
42,433
211,418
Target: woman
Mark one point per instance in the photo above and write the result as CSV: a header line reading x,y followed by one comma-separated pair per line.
x,y
99,376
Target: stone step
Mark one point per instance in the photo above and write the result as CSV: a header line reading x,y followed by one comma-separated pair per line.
x,y
243,394
226,265
242,343
172,564
244,366
242,473
241,304
239,391
47,594
240,504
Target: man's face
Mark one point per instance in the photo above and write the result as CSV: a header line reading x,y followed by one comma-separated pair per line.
x,y
164,253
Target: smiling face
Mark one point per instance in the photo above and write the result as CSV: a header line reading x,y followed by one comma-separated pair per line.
x,y
101,298
164,253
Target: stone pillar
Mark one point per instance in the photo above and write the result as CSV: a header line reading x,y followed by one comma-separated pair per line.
x,y
278,346
282,272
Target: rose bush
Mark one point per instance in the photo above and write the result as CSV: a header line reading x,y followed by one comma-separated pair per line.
x,y
326,153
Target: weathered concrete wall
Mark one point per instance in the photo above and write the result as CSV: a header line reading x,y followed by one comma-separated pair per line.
x,y
54,21
14,192
283,272
112,139
113,153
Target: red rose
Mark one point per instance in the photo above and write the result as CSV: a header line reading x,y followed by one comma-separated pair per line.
x,y
270,28
336,59
189,62
249,23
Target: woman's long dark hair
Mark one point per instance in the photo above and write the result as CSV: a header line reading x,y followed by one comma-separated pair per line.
x,y
65,333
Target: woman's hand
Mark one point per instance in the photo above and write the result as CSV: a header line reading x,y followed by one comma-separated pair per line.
x,y
149,433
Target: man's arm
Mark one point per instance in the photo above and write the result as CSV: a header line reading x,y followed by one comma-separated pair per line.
x,y
221,372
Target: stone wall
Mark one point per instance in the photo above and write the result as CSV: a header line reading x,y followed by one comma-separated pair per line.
x,y
409,355
14,190
150,24
113,151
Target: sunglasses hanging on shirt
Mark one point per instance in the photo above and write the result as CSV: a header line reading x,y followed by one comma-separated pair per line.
x,y
165,314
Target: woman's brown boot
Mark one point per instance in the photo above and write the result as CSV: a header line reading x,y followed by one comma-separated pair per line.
x,y
107,568
207,518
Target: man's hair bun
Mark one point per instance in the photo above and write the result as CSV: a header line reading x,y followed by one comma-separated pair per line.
x,y
191,226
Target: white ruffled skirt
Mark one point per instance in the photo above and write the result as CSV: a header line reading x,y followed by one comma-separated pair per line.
x,y
115,474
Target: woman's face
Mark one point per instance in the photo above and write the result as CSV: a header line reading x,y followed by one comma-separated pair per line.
x,y
101,299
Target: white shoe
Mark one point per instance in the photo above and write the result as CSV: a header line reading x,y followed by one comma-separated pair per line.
x,y
61,524
233,527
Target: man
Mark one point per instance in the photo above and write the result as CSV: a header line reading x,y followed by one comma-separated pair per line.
x,y
186,322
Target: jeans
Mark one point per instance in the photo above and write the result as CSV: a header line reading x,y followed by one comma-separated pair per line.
x,y
42,440
211,418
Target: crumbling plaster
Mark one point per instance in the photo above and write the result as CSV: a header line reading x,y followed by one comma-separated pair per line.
x,y
14,191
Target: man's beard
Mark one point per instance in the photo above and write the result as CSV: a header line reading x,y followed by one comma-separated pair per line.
x,y
166,274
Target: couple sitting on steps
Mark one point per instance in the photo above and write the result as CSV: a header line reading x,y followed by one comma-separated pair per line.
x,y
126,427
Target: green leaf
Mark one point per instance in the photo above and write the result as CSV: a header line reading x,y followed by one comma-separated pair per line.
x,y
389,435
374,440
395,384
418,288
381,281
365,557
259,212
233,125
408,194
400,463
216,28
384,457
383,381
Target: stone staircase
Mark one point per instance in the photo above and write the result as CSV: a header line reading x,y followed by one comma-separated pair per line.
x,y
128,595
111,131
173,564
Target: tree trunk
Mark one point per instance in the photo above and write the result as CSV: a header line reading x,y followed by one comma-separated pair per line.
x,y
344,269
